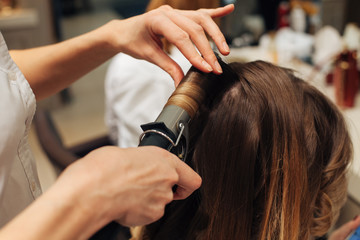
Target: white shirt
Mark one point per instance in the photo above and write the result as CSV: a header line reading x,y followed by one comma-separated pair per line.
x,y
136,91
19,183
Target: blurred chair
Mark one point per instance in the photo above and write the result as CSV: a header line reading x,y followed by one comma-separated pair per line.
x,y
50,140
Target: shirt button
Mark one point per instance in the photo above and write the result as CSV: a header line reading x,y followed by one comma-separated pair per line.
x,y
33,186
12,76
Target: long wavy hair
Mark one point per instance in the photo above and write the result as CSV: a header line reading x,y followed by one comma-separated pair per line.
x,y
272,152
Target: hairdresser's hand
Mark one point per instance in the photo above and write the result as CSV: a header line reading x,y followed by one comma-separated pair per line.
x,y
140,37
131,185
345,230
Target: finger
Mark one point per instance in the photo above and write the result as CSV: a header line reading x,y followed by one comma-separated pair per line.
x,y
188,182
214,32
219,12
161,59
181,40
180,193
357,221
204,18
198,37
345,230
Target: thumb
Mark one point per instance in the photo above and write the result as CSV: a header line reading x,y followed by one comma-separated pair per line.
x,y
188,181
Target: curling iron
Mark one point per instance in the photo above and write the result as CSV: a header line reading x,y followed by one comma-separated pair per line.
x,y
170,130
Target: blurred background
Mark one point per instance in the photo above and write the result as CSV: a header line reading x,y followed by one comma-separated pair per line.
x,y
318,38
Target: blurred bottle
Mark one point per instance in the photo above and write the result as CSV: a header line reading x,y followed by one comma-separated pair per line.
x,y
346,79
7,4
298,18
283,15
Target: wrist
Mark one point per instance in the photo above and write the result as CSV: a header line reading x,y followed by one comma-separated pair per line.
x,y
71,214
110,35
120,34
99,42
55,215
77,210
90,191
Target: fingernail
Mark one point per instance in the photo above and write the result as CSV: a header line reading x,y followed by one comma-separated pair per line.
x,y
218,67
356,217
226,47
207,66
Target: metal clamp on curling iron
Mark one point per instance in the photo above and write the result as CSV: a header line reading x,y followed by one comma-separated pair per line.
x,y
174,139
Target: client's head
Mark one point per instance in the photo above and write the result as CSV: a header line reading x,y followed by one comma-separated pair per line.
x,y
272,152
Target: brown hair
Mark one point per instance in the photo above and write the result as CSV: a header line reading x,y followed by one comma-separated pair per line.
x,y
182,5
272,152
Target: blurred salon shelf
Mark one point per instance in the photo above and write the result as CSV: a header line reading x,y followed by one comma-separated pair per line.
x,y
18,26
29,24
19,18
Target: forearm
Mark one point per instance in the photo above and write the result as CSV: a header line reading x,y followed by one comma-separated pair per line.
x,y
52,68
55,215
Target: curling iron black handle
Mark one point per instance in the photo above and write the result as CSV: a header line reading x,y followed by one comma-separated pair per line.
x,y
156,138
153,139
157,134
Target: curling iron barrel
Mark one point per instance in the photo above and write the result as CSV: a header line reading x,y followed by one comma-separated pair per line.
x,y
181,107
170,129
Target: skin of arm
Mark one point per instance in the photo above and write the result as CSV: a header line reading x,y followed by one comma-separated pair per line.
x,y
131,186
52,68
